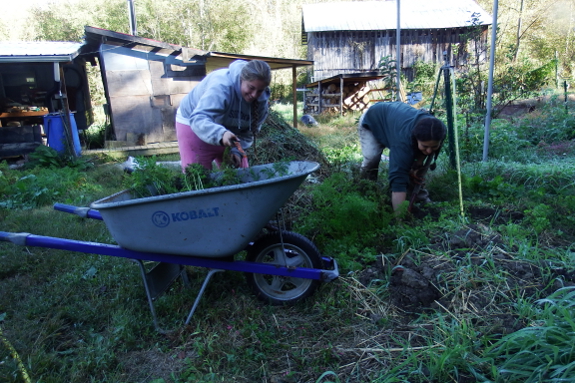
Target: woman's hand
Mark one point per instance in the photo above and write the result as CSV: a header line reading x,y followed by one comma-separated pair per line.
x,y
228,139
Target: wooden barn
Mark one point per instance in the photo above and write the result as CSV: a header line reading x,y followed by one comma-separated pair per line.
x,y
352,37
145,80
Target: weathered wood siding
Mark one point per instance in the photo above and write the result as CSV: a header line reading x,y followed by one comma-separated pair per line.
x,y
144,92
340,52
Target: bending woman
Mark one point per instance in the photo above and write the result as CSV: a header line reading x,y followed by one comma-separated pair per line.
x,y
414,138
228,106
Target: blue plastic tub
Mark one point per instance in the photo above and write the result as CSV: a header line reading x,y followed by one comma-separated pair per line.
x,y
54,124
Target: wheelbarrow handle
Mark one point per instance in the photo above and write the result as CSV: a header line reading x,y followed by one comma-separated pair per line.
x,y
84,212
16,238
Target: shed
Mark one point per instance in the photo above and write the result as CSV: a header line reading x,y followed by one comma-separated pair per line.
x,y
145,80
351,37
38,78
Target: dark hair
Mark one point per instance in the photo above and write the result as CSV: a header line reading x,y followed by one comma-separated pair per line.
x,y
429,129
257,70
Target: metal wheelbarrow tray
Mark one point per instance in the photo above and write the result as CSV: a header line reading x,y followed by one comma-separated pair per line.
x,y
206,228
212,223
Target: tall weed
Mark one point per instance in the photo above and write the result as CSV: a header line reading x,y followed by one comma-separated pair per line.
x,y
543,351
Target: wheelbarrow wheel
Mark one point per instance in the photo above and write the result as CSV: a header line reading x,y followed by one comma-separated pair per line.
x,y
299,252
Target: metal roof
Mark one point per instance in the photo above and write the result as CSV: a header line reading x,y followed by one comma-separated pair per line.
x,y
38,51
214,60
382,15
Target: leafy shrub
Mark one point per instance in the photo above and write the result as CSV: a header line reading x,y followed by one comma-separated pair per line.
x,y
538,218
346,214
42,186
44,156
504,143
425,74
552,124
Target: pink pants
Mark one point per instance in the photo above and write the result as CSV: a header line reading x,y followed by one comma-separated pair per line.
x,y
195,151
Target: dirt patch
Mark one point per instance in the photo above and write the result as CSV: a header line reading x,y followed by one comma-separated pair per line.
x,y
150,365
478,214
454,276
523,107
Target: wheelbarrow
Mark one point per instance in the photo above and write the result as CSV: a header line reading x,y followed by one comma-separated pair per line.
x,y
208,228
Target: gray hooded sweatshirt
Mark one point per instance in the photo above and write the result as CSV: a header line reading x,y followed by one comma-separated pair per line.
x,y
216,105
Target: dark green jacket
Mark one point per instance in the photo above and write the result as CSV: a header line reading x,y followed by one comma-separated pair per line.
x,y
392,123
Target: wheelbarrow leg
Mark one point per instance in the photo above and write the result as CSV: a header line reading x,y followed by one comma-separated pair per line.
x,y
158,280
211,272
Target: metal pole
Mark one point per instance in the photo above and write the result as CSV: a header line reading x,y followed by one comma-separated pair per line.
x,y
132,17
490,82
294,95
449,110
565,87
435,91
556,69
319,98
457,147
398,52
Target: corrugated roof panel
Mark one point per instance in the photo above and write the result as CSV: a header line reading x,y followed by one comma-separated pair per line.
x,y
38,51
382,15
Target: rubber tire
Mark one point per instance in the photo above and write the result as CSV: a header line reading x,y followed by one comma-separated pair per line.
x,y
300,252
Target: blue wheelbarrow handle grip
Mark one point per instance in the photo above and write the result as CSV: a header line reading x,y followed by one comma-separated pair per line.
x,y
84,212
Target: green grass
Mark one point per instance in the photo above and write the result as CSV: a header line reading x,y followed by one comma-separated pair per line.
x,y
502,273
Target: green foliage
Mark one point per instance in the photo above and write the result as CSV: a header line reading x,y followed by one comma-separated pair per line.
x,y
65,22
340,206
153,178
505,142
46,157
542,351
520,80
551,125
344,218
425,75
77,318
42,186
214,25
388,68
458,340
470,78
95,136
538,218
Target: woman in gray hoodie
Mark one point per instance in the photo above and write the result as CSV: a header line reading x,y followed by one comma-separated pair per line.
x,y
228,106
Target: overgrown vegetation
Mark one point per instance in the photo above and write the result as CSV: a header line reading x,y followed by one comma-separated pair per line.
x,y
151,178
477,289
433,297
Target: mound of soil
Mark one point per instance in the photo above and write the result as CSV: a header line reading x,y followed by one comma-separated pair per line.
x,y
279,141
461,279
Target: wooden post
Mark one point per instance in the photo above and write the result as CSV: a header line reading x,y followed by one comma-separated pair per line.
x,y
67,121
319,97
294,91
